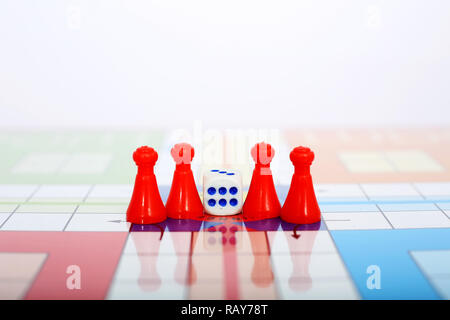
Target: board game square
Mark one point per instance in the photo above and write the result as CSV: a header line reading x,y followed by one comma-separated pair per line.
x,y
442,285
366,162
257,288
339,192
254,269
309,265
152,268
326,289
434,190
55,192
356,221
212,290
46,208
447,212
133,290
413,161
7,208
386,207
98,222
40,163
215,242
16,192
389,190
13,290
87,163
348,207
102,192
3,217
147,243
418,219
435,265
36,222
443,205
248,243
209,267
59,200
16,266
433,262
108,201
99,208
307,242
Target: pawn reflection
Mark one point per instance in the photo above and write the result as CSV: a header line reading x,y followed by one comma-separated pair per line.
x,y
262,274
184,234
300,239
147,245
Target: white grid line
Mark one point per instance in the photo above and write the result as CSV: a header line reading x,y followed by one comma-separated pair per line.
x,y
76,208
435,204
18,205
382,212
378,207
9,216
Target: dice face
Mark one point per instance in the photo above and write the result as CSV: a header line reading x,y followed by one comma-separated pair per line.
x,y
222,192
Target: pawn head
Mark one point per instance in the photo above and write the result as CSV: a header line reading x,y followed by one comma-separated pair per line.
x,y
145,156
301,156
262,153
182,153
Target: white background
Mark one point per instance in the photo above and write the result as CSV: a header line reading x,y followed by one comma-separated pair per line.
x,y
226,63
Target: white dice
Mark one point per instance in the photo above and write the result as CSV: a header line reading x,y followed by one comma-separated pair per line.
x,y
222,192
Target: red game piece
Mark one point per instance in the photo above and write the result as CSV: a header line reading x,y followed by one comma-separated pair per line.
x,y
262,200
146,206
301,205
183,201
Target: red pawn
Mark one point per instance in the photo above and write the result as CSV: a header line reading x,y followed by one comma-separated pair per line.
x,y
146,206
183,201
301,205
262,200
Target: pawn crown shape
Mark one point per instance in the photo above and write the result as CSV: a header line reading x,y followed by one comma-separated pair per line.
x,y
146,206
301,205
145,156
262,200
184,200
301,156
